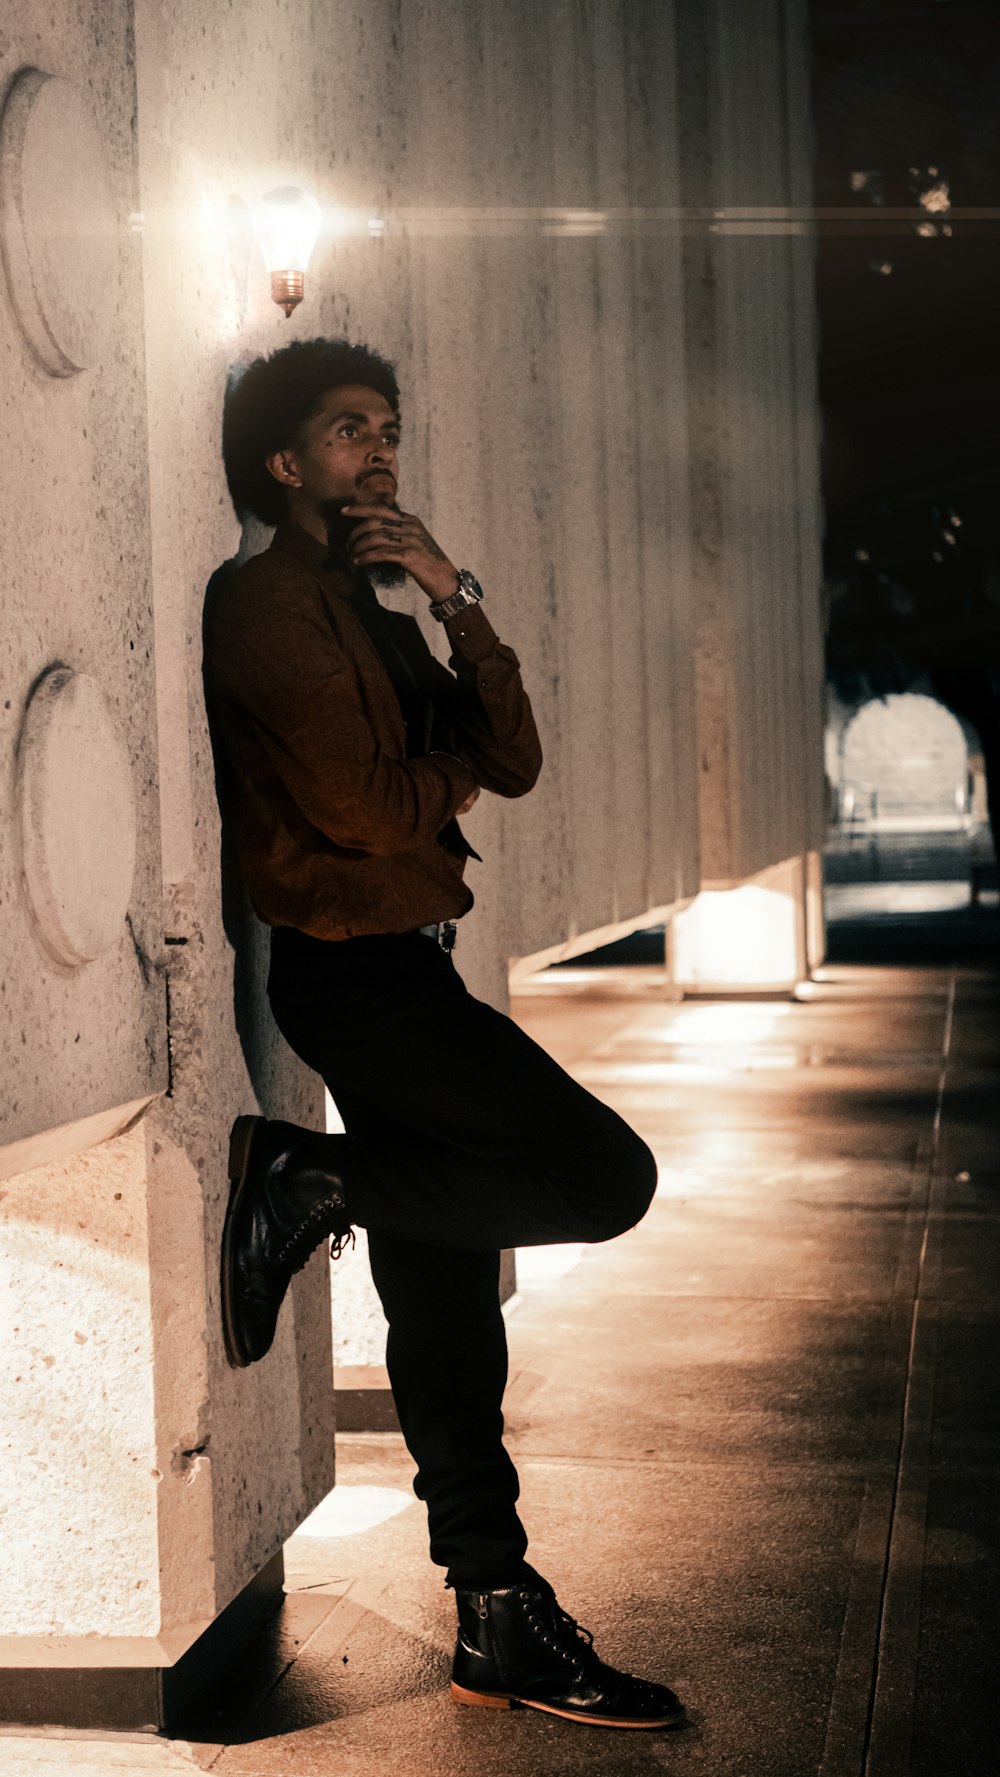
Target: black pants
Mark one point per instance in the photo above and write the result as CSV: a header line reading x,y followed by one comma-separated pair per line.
x,y
467,1137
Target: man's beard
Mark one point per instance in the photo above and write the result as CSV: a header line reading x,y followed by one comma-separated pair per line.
x,y
386,576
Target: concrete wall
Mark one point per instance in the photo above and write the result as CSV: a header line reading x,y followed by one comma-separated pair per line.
x,y
144,1482
555,360
746,153
77,596
552,326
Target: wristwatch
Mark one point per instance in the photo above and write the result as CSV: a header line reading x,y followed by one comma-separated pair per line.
x,y
467,592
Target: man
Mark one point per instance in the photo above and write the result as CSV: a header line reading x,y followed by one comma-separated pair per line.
x,y
349,751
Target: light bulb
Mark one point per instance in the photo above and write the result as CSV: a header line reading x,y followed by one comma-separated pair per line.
x,y
288,221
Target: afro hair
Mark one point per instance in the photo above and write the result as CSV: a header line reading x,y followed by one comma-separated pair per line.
x,y
267,401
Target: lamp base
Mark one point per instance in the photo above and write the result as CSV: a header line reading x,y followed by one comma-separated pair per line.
x,y
287,289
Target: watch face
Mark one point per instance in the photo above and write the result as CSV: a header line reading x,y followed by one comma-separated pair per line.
x,y
468,583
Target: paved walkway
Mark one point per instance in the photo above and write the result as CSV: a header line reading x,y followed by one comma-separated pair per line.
x,y
758,1436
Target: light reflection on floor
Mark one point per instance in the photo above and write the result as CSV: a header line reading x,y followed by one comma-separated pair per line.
x,y
722,1021
546,1264
862,900
348,1511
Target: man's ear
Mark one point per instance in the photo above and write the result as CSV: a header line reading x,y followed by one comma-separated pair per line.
x,y
281,464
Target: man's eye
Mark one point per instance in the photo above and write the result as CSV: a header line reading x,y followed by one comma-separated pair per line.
x,y
344,430
390,439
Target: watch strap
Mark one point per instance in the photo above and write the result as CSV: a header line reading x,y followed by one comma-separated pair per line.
x,y
467,592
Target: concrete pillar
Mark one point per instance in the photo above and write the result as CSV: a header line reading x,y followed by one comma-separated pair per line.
x,y
746,155
815,911
146,1489
547,410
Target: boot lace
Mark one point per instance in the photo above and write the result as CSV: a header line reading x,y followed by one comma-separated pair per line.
x,y
561,1632
307,1236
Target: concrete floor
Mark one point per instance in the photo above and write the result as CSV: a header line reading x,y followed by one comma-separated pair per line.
x,y
758,1437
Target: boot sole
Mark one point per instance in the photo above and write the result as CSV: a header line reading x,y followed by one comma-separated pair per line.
x,y
240,1144
506,1700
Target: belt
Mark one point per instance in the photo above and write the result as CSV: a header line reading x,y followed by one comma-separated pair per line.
x,y
444,933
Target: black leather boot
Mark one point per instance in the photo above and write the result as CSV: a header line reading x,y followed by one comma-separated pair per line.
x,y
517,1646
285,1198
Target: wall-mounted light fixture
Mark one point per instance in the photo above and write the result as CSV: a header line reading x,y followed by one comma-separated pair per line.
x,y
288,221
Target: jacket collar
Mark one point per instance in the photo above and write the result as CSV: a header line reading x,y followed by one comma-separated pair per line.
x,y
291,539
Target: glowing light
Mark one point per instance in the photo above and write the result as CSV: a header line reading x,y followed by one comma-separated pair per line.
x,y
339,222
350,1511
693,1069
740,937
727,1022
544,1264
937,197
288,221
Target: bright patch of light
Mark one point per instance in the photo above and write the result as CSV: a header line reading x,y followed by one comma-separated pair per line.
x,y
741,937
334,1120
675,1181
568,978
869,899
544,1264
698,1069
577,222
870,181
937,197
288,221
338,221
728,1021
211,212
349,1511
721,1147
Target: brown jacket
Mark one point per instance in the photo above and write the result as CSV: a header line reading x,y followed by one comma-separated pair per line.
x,y
335,827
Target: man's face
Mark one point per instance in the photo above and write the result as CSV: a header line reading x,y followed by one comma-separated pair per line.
x,y
348,450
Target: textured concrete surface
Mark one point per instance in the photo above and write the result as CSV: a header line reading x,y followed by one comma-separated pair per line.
x,y
526,272
758,1436
751,385
77,810
157,1481
77,1416
59,222
76,1041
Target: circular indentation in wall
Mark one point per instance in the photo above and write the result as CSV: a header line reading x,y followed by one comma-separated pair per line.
x,y
77,817
58,225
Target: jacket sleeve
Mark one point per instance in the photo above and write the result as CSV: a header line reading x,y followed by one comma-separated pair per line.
x,y
485,706
290,676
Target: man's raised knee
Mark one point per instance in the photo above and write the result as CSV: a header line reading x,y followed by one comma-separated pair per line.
x,y
632,1189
